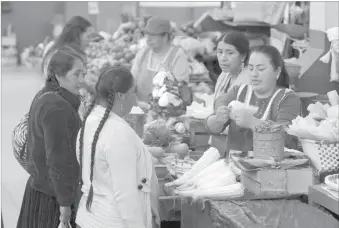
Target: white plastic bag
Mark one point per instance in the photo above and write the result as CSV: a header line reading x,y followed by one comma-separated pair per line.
x,y
65,225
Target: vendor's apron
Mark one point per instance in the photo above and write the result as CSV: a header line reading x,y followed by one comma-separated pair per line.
x,y
147,73
219,141
264,115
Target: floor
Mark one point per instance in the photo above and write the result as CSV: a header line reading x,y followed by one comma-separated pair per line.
x,y
18,87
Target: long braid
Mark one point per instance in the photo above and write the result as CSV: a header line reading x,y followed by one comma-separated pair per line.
x,y
94,143
81,137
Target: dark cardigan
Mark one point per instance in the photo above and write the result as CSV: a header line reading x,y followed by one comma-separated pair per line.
x,y
52,131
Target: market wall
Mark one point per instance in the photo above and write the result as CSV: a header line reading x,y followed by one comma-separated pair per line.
x,y
31,21
324,15
108,18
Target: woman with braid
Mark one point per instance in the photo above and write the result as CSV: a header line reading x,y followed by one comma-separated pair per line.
x,y
120,188
53,126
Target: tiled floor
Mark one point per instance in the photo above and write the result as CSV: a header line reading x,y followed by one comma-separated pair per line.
x,y
18,86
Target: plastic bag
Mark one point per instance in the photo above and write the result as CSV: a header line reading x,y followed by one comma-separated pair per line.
x,y
65,225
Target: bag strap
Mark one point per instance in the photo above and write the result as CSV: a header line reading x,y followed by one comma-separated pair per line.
x,y
37,96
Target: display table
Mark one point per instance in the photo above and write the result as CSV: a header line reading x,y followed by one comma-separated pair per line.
x,y
317,195
254,214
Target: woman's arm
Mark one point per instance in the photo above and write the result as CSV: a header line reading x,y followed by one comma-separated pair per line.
x,y
122,160
289,109
212,125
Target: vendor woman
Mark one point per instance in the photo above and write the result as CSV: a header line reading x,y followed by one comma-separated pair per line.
x,y
159,54
268,91
232,53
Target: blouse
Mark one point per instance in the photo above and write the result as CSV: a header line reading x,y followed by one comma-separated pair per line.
x,y
123,173
282,107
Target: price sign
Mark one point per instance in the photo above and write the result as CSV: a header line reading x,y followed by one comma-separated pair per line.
x,y
93,8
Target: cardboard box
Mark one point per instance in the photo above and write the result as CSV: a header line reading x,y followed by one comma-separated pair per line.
x,y
278,182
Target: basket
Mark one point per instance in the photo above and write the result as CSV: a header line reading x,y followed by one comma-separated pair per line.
x,y
323,155
269,145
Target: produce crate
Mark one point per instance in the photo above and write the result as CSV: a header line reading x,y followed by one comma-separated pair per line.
x,y
198,138
278,182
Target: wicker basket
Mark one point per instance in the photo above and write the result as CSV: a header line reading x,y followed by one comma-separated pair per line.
x,y
269,145
323,155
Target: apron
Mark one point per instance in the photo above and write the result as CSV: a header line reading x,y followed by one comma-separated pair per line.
x,y
247,100
147,73
219,141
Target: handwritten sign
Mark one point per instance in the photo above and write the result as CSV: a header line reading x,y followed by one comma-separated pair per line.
x,y
93,8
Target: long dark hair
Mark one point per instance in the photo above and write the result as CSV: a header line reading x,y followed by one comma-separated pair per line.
x,y
239,41
277,61
112,80
70,35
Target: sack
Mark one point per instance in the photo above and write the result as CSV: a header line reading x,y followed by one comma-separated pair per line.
x,y
19,140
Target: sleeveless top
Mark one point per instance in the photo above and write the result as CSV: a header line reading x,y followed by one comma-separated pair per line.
x,y
144,79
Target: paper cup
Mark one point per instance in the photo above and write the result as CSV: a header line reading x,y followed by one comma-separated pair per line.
x,y
333,97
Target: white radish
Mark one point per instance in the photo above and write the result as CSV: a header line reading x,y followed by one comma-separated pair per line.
x,y
189,193
221,193
209,173
209,157
184,186
224,179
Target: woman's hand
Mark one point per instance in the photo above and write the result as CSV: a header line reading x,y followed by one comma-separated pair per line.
x,y
244,118
222,115
65,214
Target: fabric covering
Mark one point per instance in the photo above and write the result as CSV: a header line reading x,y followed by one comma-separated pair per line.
x,y
258,214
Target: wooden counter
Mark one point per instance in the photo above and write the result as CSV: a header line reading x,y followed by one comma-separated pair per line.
x,y
318,196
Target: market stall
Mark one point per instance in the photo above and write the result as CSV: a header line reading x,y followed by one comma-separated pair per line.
x,y
249,190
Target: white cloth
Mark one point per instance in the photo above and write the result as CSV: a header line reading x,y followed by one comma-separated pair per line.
x,y
333,37
122,161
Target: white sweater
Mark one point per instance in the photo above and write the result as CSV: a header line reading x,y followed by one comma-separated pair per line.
x,y
121,163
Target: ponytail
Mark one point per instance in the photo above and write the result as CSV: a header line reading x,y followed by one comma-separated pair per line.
x,y
284,79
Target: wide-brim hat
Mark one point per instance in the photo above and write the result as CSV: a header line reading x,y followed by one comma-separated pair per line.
x,y
157,26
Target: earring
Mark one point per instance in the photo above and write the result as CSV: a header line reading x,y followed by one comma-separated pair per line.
x,y
121,107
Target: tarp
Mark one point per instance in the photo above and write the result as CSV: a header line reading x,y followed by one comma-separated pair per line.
x,y
254,214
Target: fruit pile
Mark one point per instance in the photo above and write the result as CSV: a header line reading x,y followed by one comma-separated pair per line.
x,y
119,48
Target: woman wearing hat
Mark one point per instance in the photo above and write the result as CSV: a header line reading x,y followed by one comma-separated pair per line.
x,y
160,54
232,53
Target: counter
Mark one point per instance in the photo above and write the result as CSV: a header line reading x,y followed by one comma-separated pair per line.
x,y
254,214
